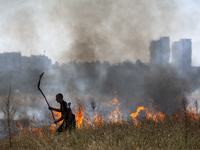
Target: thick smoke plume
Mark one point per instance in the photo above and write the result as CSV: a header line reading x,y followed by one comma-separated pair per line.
x,y
111,30
99,43
136,85
90,30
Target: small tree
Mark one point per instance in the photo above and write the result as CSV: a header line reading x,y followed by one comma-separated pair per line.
x,y
196,105
8,109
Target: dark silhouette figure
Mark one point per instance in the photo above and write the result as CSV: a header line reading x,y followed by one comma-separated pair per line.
x,y
67,116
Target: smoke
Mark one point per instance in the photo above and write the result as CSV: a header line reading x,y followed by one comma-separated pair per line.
x,y
19,27
117,31
87,30
136,85
113,31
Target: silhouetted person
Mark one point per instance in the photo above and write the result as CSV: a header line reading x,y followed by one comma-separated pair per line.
x,y
67,116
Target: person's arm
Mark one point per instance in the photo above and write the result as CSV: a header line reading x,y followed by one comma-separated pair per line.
x,y
54,109
64,114
60,119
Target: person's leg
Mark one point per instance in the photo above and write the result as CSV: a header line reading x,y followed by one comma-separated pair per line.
x,y
61,128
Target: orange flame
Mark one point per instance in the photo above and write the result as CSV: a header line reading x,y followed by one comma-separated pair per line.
x,y
79,114
32,129
149,114
115,114
97,120
134,115
57,115
20,126
192,113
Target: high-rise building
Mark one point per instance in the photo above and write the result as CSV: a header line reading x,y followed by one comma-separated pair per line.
x,y
160,51
14,62
181,53
8,61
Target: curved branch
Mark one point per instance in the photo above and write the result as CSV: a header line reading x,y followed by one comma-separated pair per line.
x,y
43,94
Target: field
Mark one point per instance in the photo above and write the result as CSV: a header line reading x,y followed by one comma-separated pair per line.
x,y
175,132
147,130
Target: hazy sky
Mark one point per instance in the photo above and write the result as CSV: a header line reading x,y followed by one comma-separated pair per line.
x,y
87,30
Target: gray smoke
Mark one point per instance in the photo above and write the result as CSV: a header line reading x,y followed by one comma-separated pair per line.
x,y
111,30
87,30
136,85
115,31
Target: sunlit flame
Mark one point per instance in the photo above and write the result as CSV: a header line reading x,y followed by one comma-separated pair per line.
x,y
57,115
134,115
79,114
31,129
192,113
156,116
116,113
97,120
20,126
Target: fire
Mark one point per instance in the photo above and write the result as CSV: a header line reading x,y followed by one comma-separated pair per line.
x,y
79,114
134,115
115,114
79,117
34,129
156,116
57,115
30,129
20,126
97,120
192,112
161,115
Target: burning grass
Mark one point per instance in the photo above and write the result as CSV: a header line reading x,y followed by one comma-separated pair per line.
x,y
166,134
154,130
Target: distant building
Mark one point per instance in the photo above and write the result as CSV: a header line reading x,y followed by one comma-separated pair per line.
x,y
10,62
160,51
36,62
14,62
181,53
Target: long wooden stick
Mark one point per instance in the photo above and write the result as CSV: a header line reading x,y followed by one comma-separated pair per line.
x,y
43,94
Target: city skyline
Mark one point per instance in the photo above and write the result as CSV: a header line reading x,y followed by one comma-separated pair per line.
x,y
89,30
179,55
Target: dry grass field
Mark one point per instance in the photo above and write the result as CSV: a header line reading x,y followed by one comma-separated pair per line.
x,y
151,131
174,132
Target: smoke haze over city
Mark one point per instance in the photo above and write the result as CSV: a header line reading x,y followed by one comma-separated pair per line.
x,y
101,47
87,30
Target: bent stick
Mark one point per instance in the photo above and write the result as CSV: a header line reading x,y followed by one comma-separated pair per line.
x,y
43,94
